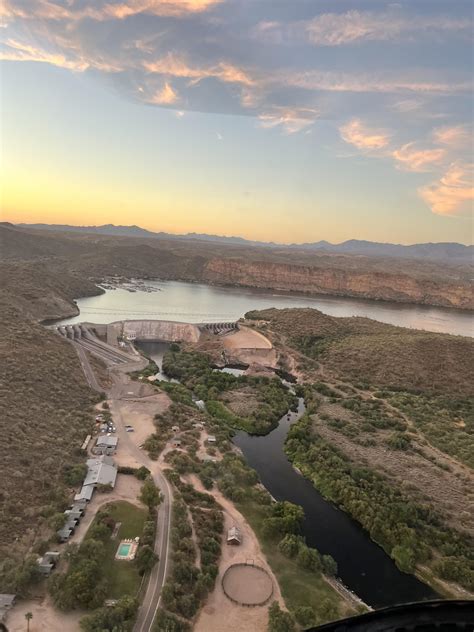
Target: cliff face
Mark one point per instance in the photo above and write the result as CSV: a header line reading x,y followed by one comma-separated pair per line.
x,y
336,282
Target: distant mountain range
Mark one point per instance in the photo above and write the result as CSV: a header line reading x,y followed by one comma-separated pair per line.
x,y
445,251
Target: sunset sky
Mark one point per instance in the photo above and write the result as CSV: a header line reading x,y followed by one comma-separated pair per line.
x,y
283,120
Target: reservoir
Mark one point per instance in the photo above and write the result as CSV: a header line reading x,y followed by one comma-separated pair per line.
x,y
196,303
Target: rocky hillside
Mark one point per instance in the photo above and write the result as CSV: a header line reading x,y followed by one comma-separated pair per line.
x,y
318,279
379,355
380,278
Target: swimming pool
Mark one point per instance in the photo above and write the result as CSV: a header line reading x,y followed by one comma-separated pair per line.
x,y
124,550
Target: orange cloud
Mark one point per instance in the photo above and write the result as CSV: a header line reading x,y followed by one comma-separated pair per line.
x,y
356,133
19,51
454,136
177,67
414,159
165,96
453,194
46,10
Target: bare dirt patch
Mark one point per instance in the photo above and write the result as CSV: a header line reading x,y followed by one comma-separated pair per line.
x,y
247,584
45,617
246,338
219,613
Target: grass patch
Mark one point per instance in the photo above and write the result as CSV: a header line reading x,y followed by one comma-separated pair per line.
x,y
122,577
298,586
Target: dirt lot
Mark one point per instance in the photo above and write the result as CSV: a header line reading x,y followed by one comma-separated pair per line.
x,y
45,617
246,338
139,413
219,613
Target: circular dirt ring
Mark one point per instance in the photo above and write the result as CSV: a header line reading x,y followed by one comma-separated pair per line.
x,y
247,585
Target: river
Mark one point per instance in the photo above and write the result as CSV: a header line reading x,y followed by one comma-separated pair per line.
x,y
363,566
195,303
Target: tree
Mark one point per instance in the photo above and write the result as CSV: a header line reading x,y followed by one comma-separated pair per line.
x,y
278,620
404,558
28,617
146,559
304,615
150,494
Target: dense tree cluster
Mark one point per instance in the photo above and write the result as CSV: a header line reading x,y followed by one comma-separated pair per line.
x,y
189,583
406,530
120,617
196,374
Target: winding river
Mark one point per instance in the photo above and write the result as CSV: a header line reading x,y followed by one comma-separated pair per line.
x,y
363,566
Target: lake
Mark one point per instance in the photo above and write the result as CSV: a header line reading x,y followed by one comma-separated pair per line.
x,y
197,303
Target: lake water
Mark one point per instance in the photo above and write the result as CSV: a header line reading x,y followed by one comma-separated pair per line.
x,y
196,303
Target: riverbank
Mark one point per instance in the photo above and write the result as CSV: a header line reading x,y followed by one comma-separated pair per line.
x,y
335,477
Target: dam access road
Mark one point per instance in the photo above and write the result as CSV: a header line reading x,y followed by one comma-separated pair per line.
x,y
123,389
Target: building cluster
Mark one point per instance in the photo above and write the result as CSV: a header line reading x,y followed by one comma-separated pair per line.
x,y
101,470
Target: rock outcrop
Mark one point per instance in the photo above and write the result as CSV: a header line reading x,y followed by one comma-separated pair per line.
x,y
339,282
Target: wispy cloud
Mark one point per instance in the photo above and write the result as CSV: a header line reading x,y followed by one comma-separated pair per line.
x,y
337,29
101,11
412,157
176,66
453,136
290,120
357,133
453,193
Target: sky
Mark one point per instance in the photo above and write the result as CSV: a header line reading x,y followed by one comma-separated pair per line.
x,y
282,120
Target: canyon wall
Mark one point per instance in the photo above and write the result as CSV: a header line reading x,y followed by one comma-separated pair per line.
x,y
338,282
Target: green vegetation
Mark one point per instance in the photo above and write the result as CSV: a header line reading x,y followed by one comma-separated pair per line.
x,y
276,525
254,404
408,531
279,620
93,574
190,582
167,622
362,351
447,422
117,618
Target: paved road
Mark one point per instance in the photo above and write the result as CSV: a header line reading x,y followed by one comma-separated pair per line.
x,y
86,367
120,390
151,601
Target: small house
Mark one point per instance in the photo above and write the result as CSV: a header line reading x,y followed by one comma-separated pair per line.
x,y
234,537
175,428
200,404
48,562
85,494
64,534
211,439
106,442
176,443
